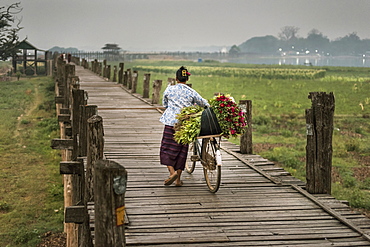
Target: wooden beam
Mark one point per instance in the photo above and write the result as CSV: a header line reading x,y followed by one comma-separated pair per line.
x,y
71,167
68,131
64,111
66,118
75,214
59,100
62,144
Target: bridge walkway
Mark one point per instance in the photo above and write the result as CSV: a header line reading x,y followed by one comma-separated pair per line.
x,y
258,203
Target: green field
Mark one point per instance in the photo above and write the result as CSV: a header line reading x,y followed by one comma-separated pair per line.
x,y
31,190
279,128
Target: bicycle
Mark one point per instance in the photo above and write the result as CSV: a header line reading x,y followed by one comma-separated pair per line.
x,y
210,158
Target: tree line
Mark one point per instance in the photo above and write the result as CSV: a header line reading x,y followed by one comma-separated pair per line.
x,y
316,43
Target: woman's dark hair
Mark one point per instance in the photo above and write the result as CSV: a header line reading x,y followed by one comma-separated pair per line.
x,y
182,74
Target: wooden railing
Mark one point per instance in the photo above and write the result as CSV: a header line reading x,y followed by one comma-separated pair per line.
x,y
84,168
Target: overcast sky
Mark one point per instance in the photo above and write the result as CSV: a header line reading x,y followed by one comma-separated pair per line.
x,y
167,25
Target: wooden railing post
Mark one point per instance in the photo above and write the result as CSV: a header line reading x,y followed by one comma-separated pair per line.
x,y
100,69
109,188
108,72
120,73
86,111
104,68
319,123
114,74
146,85
171,81
246,143
129,79
78,97
135,75
157,85
95,148
125,78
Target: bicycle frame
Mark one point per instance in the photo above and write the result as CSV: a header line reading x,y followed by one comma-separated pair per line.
x,y
199,148
209,155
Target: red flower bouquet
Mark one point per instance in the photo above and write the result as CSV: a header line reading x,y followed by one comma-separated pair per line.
x,y
230,117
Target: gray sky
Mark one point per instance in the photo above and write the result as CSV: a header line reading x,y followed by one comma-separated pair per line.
x,y
167,25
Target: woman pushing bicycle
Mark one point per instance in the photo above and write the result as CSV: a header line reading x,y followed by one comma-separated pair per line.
x,y
175,97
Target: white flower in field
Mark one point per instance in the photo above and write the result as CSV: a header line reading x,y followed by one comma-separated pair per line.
x,y
362,106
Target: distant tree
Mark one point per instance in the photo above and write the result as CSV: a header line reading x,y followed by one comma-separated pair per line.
x,y
63,50
288,33
317,41
266,44
234,50
9,28
350,44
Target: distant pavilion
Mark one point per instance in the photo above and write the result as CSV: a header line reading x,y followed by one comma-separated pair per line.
x,y
30,60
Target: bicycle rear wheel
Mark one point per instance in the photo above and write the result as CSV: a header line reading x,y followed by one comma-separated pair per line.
x,y
192,158
211,170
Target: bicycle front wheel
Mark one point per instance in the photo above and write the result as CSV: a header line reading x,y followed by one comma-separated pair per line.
x,y
192,158
211,170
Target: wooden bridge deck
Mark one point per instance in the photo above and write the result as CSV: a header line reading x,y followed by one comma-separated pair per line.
x,y
258,204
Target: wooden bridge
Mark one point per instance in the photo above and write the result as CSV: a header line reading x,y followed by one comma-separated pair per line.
x,y
258,203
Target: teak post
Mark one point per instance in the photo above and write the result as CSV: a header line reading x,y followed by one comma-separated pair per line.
x,y
120,73
95,151
114,73
125,78
109,188
135,75
129,79
246,143
146,85
171,81
104,68
157,85
107,73
319,123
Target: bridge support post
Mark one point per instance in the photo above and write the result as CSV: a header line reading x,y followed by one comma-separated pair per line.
x,y
95,151
146,85
129,79
135,75
120,73
157,85
319,123
246,144
110,183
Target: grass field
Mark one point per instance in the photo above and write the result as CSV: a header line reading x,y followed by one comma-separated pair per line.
x,y
31,192
279,129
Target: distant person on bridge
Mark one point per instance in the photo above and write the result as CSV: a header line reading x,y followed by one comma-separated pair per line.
x,y
175,97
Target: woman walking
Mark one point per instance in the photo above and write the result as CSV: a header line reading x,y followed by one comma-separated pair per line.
x,y
175,97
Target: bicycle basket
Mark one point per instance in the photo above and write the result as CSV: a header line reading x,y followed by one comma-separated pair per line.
x,y
209,124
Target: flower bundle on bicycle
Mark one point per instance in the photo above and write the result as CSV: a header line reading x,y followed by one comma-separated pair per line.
x,y
231,119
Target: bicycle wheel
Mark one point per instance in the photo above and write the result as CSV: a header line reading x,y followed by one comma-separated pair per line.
x,y
212,171
192,158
